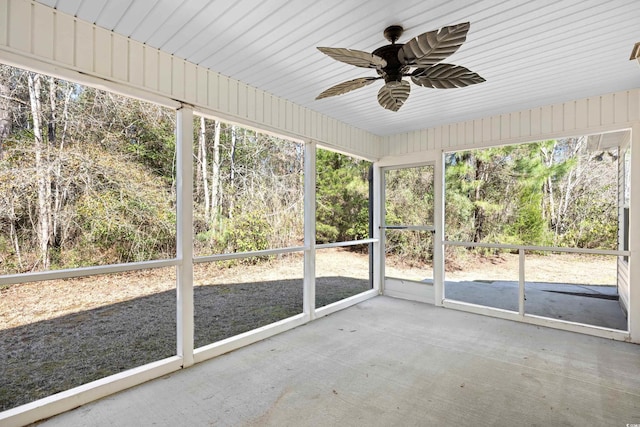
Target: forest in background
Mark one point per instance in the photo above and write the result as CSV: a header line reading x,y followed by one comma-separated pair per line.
x,y
87,177
547,193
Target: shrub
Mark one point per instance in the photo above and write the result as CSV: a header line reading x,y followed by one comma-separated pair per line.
x,y
248,233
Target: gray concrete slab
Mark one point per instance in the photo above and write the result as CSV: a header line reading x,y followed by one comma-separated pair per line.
x,y
390,362
588,304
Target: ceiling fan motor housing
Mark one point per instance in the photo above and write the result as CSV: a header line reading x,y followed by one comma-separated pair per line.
x,y
394,70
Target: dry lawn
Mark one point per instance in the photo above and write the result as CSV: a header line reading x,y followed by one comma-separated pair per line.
x,y
565,268
58,334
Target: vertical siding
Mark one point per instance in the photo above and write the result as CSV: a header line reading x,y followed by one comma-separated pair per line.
x,y
177,78
20,25
4,23
120,58
64,31
102,59
623,284
43,28
623,266
585,116
620,110
83,46
136,65
151,69
165,79
75,48
202,86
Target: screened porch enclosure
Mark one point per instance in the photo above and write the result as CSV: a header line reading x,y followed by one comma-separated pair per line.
x,y
532,279
101,300
246,243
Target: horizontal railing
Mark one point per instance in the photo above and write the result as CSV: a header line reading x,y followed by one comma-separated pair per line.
x,y
521,258
237,255
408,227
343,244
537,248
69,273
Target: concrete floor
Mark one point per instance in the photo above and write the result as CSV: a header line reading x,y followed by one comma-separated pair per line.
x,y
391,362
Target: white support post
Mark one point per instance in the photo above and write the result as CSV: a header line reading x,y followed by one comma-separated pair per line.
x,y
438,238
634,237
521,282
184,187
378,231
309,281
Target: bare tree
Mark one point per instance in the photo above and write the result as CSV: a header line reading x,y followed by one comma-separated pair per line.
x,y
215,175
202,180
5,116
42,170
59,183
232,171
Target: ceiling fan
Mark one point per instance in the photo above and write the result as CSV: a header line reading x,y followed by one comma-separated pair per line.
x,y
395,61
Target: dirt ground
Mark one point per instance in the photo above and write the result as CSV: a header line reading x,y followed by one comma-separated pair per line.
x,y
58,334
564,268
32,302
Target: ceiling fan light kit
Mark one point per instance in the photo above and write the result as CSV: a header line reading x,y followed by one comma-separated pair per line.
x,y
395,61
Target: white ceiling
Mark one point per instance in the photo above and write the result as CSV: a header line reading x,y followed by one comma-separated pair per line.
x,y
531,53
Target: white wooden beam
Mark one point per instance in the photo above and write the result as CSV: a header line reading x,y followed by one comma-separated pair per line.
x,y
634,237
378,231
309,292
184,185
521,282
438,237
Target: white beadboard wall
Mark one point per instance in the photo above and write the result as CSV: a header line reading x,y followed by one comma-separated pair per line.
x,y
582,117
623,266
623,284
74,49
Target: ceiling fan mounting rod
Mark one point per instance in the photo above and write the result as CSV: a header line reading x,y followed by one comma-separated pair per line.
x,y
393,33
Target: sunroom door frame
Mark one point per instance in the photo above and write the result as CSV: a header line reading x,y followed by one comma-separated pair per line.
x,y
436,226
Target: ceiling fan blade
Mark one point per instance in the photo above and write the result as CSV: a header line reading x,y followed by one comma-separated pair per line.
x,y
347,86
358,58
445,76
434,46
393,95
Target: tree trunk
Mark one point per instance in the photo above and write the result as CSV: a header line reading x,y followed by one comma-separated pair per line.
x,y
65,114
552,207
549,214
42,165
13,235
56,167
197,186
60,189
51,132
204,167
215,175
5,117
232,173
478,214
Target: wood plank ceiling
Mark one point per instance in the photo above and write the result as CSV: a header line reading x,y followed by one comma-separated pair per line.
x,y
531,53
